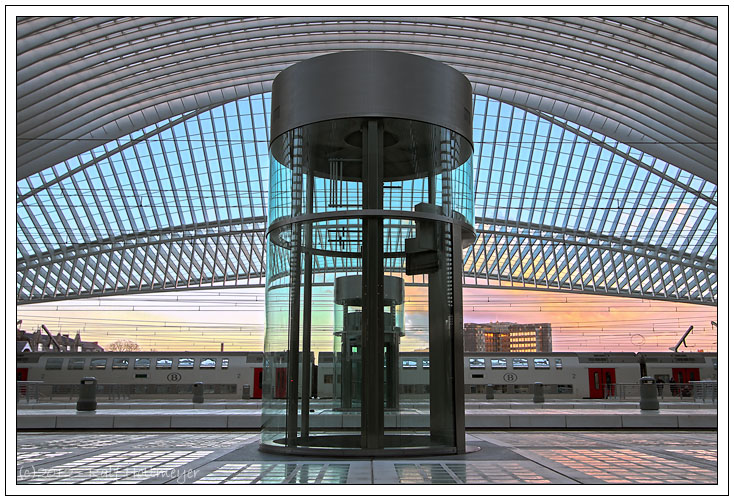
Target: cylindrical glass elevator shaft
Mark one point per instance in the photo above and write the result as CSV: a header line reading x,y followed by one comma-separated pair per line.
x,y
369,211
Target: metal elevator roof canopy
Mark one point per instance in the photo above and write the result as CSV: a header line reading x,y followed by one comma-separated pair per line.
x,y
650,83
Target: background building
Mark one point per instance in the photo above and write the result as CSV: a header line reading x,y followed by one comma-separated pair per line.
x,y
507,337
38,341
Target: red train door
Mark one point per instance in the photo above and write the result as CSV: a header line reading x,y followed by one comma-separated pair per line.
x,y
682,377
686,375
21,374
281,384
257,380
602,382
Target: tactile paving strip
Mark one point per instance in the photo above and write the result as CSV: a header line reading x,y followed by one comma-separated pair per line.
x,y
627,466
120,467
277,473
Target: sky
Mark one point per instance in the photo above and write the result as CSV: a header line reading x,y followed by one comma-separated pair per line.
x,y
202,320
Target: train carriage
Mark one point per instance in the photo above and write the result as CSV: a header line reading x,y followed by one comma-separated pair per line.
x,y
152,374
226,375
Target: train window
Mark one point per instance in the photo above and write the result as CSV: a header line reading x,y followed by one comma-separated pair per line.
x,y
142,363
54,364
328,378
410,364
541,363
98,363
426,363
163,363
519,363
499,363
559,363
225,363
76,364
477,363
565,388
477,375
206,363
120,363
185,363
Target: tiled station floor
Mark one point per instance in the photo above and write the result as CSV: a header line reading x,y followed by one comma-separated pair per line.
x,y
510,458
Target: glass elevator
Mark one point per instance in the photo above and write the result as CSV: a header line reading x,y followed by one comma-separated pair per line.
x,y
371,203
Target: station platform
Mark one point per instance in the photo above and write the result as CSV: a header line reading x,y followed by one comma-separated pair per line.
x,y
208,462
246,415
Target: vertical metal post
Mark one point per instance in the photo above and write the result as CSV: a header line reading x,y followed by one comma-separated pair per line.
x,y
431,188
391,362
373,330
291,418
457,354
441,321
439,350
307,298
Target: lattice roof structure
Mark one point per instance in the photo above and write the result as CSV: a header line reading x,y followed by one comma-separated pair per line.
x,y
142,161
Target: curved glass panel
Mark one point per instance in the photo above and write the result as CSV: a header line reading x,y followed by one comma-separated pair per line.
x,y
354,198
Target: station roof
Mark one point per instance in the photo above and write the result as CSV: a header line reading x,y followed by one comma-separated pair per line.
x,y
595,148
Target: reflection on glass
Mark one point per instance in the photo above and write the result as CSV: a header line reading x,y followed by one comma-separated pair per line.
x,y
98,363
185,363
541,363
499,363
519,363
120,363
54,363
208,363
476,363
164,363
76,363
142,363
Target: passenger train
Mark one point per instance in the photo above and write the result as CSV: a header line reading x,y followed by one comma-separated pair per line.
x,y
240,374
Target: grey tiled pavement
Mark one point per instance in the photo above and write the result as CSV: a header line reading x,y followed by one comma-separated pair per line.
x,y
505,458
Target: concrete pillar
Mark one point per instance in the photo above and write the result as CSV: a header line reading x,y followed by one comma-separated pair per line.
x,y
648,394
198,393
87,394
538,397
